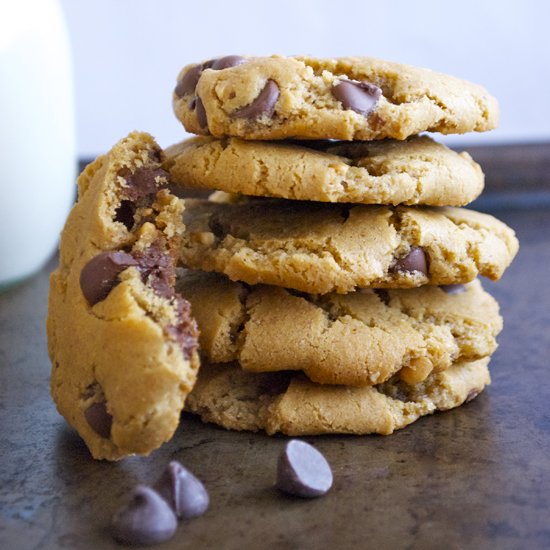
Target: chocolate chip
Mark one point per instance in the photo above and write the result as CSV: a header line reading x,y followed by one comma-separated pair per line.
x,y
142,183
303,471
227,62
183,491
185,332
157,268
125,214
99,419
415,260
100,275
146,519
383,295
360,97
264,104
453,289
188,84
189,81
201,113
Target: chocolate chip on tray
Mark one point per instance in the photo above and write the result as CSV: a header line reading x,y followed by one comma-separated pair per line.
x,y
415,260
264,104
99,419
453,289
360,97
303,471
100,275
146,519
183,491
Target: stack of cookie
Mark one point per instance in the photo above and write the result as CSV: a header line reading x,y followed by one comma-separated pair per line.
x,y
334,283
335,279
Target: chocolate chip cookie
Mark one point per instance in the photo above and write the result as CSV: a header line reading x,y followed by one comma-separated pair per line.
x,y
416,171
320,248
122,341
357,339
350,98
293,405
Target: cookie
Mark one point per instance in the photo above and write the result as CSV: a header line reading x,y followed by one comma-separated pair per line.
x,y
293,405
361,338
122,341
350,98
416,171
321,248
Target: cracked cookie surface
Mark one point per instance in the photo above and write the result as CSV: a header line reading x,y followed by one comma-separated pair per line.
x,y
357,339
293,405
321,248
350,98
121,340
416,171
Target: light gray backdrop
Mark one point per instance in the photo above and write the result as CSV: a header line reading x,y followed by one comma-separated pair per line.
x,y
127,53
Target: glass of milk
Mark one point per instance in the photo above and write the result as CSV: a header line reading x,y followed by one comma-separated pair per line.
x,y
37,135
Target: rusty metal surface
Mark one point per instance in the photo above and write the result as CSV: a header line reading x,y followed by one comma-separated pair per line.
x,y
476,477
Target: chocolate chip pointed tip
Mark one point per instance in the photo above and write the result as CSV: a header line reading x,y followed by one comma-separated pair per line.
x,y
303,471
145,520
183,491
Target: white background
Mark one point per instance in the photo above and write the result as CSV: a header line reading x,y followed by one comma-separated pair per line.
x,y
127,53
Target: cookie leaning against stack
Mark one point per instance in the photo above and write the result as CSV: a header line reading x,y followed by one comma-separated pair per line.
x,y
373,318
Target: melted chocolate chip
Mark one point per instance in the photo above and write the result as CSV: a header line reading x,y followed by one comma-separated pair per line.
x,y
227,62
201,113
125,214
453,289
188,84
146,519
100,275
273,383
99,419
183,491
142,184
303,471
157,269
264,104
189,81
415,260
185,332
383,295
360,97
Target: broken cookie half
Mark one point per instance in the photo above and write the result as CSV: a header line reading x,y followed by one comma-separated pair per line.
x,y
122,341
